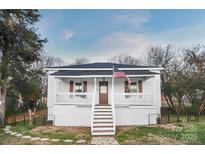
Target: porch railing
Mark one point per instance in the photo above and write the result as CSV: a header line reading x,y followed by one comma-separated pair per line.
x,y
74,98
134,99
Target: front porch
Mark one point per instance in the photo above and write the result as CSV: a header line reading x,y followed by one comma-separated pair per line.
x,y
84,89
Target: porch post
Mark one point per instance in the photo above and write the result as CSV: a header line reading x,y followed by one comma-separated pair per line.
x,y
94,87
55,89
113,105
154,85
112,91
93,104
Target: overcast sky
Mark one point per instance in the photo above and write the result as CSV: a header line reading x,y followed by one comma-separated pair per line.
x,y
100,34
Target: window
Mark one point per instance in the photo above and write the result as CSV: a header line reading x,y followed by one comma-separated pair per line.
x,y
133,87
81,87
130,89
78,87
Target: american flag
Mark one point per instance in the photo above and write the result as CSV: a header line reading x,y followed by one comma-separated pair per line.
x,y
120,74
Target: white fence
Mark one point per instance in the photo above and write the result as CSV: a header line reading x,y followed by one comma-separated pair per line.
x,y
134,99
74,98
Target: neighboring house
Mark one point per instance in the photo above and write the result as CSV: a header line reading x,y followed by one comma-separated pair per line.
x,y
85,95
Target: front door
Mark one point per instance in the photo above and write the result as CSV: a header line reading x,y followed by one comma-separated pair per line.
x,y
103,93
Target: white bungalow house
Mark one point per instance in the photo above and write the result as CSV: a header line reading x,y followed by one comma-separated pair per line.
x,y
88,95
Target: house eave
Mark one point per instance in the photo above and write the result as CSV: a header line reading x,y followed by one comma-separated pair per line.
x,y
58,69
99,76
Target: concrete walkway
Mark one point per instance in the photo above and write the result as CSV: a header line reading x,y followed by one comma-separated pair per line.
x,y
104,141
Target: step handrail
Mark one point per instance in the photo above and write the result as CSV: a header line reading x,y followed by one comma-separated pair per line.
x,y
113,114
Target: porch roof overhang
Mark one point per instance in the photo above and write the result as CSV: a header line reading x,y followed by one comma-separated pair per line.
x,y
100,73
103,66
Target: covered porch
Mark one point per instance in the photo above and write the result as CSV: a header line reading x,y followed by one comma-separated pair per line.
x,y
101,90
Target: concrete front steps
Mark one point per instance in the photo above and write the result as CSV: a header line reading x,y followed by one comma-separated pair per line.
x,y
103,121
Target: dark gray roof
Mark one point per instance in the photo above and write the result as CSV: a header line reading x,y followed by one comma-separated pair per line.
x,y
103,65
99,72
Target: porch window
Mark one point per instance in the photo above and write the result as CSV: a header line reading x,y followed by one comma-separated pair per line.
x,y
130,89
133,87
78,87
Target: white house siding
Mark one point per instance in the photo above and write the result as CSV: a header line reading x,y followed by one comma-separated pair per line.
x,y
148,85
135,115
72,115
158,93
51,97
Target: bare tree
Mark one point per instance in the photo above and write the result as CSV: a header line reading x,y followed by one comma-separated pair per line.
x,y
194,86
125,59
82,60
163,57
195,57
159,56
53,61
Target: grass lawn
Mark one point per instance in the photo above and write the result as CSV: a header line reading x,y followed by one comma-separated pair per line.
x,y
176,133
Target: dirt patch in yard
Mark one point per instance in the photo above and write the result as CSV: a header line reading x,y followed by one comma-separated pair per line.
x,y
124,128
74,133
166,126
134,142
73,130
163,140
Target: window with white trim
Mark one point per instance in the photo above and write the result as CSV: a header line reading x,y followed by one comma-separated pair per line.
x,y
81,87
133,87
78,87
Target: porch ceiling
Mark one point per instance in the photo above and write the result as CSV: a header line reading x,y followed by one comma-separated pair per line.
x,y
99,72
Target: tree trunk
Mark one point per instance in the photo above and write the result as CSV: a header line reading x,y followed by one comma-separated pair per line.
x,y
31,115
184,107
170,102
4,70
165,97
179,108
2,104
